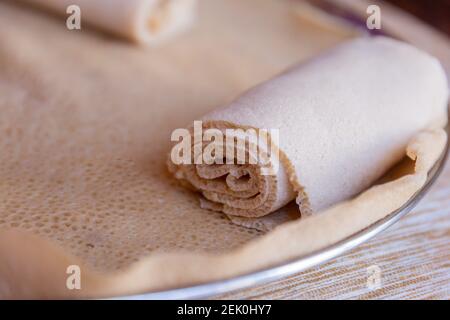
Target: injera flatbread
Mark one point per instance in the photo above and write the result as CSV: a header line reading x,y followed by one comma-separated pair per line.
x,y
85,126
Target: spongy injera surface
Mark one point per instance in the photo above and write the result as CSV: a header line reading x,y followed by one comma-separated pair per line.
x,y
85,123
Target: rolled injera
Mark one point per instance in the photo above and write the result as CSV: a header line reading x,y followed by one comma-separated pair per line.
x,y
343,119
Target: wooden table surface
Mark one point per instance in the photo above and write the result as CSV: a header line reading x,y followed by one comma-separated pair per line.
x,y
410,260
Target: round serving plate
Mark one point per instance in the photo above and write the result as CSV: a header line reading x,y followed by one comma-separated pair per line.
x,y
300,263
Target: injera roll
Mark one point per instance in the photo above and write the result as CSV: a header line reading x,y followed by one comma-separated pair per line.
x,y
142,21
344,118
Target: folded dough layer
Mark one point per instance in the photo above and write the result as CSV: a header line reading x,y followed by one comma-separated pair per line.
x,y
237,189
142,21
344,118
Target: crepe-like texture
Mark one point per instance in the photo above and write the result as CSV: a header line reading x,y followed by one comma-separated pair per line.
x,y
85,125
343,117
142,21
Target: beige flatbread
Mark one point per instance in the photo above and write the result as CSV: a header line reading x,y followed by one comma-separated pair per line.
x,y
142,21
84,133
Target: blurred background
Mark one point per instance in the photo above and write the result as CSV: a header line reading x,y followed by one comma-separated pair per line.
x,y
436,12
